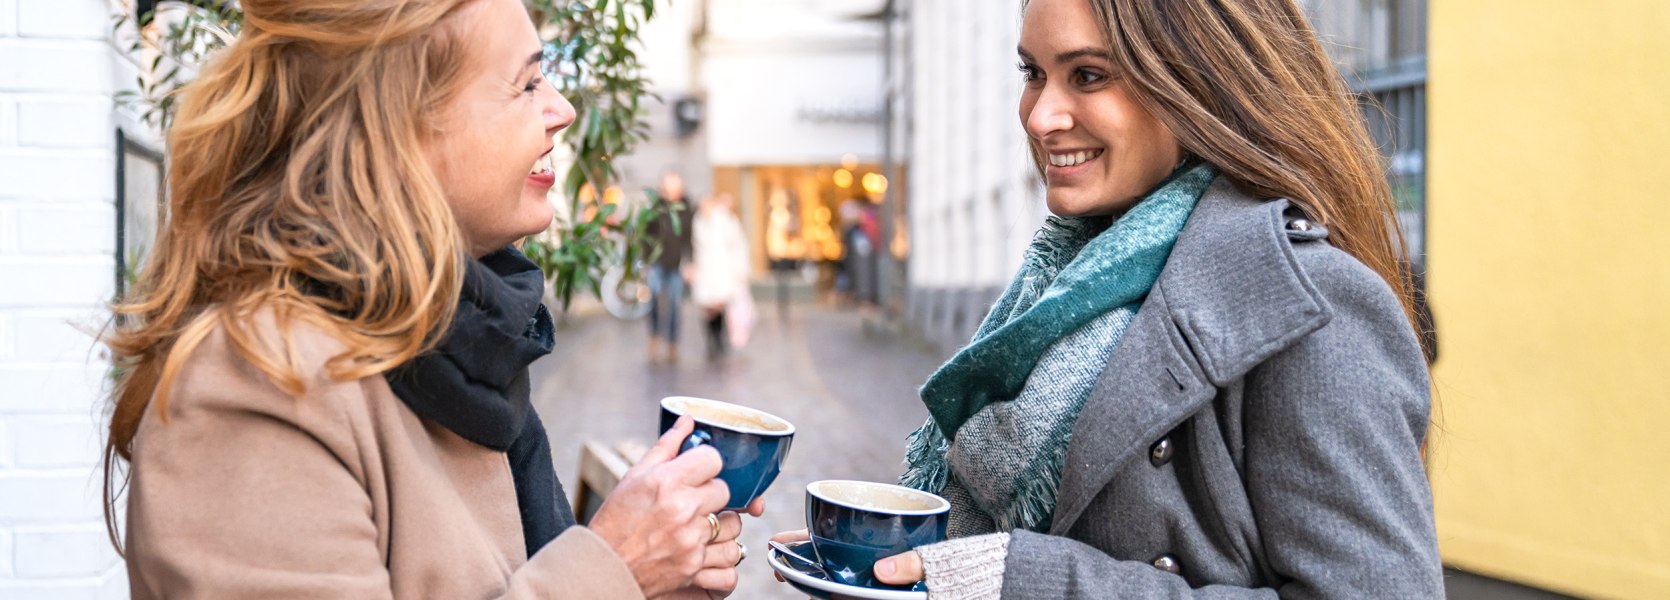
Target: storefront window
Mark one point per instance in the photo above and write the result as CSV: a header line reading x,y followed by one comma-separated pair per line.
x,y
807,218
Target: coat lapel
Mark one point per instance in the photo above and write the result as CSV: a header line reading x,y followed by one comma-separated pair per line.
x,y
1156,385
1231,295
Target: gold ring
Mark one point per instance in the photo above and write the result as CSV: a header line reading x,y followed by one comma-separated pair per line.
x,y
742,550
713,520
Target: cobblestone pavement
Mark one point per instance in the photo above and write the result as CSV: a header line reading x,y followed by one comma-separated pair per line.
x,y
849,390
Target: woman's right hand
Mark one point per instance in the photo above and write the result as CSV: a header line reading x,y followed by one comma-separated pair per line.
x,y
657,518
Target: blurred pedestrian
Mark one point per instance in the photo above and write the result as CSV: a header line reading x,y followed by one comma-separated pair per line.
x,y
322,385
853,249
720,269
671,231
864,241
1205,379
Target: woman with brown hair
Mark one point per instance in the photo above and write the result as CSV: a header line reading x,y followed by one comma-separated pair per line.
x,y
1204,381
324,388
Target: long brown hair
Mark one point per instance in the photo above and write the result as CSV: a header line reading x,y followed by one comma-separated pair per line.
x,y
1245,85
298,185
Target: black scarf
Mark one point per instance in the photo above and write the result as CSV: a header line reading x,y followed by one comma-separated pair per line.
x,y
475,383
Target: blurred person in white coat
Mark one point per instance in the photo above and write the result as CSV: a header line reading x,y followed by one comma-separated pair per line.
x,y
719,273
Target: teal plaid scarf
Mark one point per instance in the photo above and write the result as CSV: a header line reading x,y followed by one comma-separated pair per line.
x,y
1002,409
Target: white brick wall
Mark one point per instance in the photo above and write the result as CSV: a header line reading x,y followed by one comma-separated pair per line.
x,y
5,462
53,335
33,281
62,552
964,177
8,122
53,442
66,229
26,589
8,17
49,496
58,174
5,554
57,270
64,121
36,388
48,65
63,19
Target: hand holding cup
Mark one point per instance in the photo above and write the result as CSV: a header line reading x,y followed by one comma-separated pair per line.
x,y
752,442
863,532
657,518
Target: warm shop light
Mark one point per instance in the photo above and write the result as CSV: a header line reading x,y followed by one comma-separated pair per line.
x,y
875,183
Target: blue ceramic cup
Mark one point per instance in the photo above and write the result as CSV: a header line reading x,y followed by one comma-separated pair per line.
x,y
751,442
856,523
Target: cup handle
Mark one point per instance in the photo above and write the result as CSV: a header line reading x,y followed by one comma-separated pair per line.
x,y
697,439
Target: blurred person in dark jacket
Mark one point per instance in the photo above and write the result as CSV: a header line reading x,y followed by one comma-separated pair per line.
x,y
666,279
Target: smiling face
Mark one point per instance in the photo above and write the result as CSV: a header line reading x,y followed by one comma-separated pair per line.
x,y
1103,150
492,151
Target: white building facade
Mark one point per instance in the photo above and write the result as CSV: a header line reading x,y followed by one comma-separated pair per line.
x,y
974,198
792,83
59,159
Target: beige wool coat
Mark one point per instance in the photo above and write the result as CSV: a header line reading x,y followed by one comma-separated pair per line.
x,y
244,491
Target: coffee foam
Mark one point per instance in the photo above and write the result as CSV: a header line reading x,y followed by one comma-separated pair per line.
x,y
879,497
728,415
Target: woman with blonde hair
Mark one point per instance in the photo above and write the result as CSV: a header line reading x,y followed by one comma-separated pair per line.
x,y
324,388
1204,381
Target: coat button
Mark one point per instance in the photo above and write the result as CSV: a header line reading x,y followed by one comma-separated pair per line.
x,y
1160,454
1168,563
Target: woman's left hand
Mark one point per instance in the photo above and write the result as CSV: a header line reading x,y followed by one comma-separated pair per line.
x,y
900,569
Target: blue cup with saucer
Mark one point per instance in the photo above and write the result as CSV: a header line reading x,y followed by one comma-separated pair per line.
x,y
751,442
853,524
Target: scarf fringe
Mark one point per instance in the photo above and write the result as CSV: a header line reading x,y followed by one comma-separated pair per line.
x,y
1033,505
925,452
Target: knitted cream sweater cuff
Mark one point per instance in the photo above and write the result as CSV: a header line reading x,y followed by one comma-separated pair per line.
x,y
969,568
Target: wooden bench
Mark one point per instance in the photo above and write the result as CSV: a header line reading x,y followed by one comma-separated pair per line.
x,y
601,468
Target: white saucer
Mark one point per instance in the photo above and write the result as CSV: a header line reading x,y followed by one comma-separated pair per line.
x,y
812,581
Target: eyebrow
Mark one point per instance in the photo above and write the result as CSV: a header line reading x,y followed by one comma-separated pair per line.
x,y
1070,56
533,59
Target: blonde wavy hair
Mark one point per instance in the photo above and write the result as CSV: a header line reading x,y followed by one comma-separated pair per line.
x,y
298,185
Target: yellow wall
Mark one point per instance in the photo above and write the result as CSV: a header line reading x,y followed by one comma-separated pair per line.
x,y
1549,225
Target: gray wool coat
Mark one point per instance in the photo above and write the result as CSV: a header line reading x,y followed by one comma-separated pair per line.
x,y
1256,433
